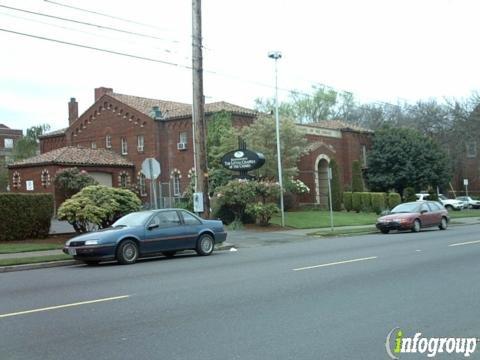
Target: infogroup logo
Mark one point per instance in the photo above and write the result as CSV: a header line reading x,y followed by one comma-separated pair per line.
x,y
397,343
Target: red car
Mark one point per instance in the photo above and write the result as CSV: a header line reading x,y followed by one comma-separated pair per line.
x,y
414,216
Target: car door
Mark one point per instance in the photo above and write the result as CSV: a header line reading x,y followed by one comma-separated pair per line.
x,y
436,213
425,215
192,227
164,232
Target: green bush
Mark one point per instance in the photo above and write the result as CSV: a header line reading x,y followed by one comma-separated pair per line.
x,y
409,194
378,202
336,187
262,212
357,177
357,201
70,181
25,216
347,200
366,202
393,200
98,206
432,195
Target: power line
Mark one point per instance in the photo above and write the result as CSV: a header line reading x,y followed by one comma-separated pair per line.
x,y
89,24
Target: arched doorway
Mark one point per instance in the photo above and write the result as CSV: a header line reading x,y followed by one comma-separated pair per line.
x,y
321,180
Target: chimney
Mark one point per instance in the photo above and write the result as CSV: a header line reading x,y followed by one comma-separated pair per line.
x,y
99,92
72,111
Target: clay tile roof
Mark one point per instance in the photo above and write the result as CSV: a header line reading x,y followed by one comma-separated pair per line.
x,y
54,133
338,125
71,155
2,126
173,110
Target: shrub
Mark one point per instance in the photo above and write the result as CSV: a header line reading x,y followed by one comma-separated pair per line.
x,y
357,178
296,187
357,201
378,202
336,187
236,195
393,199
25,216
262,212
98,206
366,201
432,195
289,201
71,181
347,200
409,194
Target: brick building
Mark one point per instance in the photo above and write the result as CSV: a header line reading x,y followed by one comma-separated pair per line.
x,y
137,128
8,138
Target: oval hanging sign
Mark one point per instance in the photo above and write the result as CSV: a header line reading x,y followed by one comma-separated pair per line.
x,y
243,160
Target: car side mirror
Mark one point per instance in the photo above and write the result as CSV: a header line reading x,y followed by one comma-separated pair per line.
x,y
152,226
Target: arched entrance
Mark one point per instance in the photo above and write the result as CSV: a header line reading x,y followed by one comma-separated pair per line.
x,y
321,180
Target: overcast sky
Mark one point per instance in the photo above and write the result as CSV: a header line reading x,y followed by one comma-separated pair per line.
x,y
380,50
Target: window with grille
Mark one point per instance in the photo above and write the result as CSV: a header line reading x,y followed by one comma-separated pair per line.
x,y
140,143
124,146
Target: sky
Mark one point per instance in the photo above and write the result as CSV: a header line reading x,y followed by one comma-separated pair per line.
x,y
378,50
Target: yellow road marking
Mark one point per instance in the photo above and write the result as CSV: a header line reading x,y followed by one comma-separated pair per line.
x,y
64,306
335,263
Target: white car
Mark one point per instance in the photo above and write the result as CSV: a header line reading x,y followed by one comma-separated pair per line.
x,y
449,204
469,202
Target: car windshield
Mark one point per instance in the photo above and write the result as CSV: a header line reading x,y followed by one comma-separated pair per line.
x,y
133,219
406,208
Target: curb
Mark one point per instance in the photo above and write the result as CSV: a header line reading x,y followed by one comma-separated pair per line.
x,y
44,265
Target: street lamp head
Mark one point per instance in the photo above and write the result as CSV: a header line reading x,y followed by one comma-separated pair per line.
x,y
274,55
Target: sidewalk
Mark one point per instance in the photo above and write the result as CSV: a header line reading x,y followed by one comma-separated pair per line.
x,y
236,238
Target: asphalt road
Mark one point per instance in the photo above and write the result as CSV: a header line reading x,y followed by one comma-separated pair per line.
x,y
334,298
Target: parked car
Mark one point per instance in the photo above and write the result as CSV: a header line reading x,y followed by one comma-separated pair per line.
x,y
450,204
414,216
469,202
145,233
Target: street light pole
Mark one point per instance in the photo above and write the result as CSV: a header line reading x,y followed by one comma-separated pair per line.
x,y
278,55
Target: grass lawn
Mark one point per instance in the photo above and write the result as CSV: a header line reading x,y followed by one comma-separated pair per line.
x,y
464,213
6,248
33,260
320,218
345,232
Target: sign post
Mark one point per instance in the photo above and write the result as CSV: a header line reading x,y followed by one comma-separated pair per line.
x,y
329,170
151,170
465,182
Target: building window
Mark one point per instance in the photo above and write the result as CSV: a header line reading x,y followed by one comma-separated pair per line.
x,y
108,141
471,149
124,179
176,185
140,143
45,178
141,185
16,180
8,143
183,138
94,145
364,156
124,146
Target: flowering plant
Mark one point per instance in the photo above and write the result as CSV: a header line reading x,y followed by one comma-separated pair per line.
x,y
297,187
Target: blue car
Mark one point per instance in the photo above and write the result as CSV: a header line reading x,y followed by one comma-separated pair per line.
x,y
147,233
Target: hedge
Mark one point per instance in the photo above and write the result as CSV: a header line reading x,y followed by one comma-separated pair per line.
x,y
347,201
393,200
357,201
366,201
25,216
378,202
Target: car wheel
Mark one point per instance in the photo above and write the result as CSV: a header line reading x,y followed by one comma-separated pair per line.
x,y
416,226
449,207
127,252
169,254
205,245
443,224
385,231
91,262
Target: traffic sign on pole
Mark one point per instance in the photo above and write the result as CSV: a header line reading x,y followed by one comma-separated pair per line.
x,y
151,170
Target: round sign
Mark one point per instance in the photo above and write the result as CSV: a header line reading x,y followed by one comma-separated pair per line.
x,y
151,168
243,160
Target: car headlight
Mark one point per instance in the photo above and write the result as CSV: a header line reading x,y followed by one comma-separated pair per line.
x,y
91,242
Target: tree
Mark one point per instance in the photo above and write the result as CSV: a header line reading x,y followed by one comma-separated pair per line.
x,y
260,137
98,206
3,176
402,158
336,186
71,181
357,178
27,146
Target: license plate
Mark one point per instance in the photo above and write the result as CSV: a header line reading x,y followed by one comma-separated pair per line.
x,y
72,251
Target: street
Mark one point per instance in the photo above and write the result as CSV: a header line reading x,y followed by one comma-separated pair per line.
x,y
332,298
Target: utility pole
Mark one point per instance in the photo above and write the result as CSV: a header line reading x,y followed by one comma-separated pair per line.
x,y
198,108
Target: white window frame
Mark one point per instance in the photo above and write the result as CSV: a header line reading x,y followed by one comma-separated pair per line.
x,y
471,145
364,156
94,145
176,185
142,185
8,143
108,142
124,146
140,143
183,137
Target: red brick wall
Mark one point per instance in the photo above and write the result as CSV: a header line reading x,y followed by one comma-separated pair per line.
x,y
51,143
